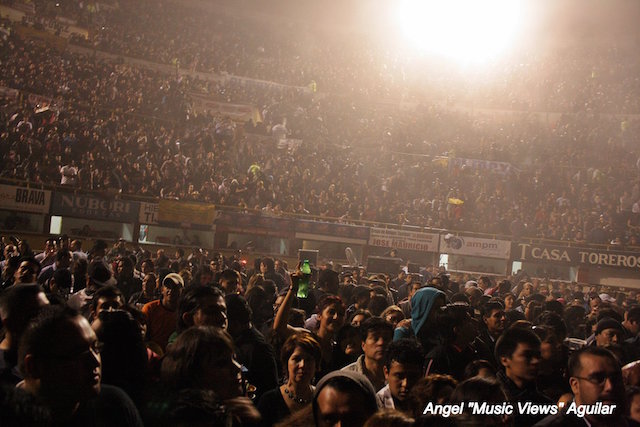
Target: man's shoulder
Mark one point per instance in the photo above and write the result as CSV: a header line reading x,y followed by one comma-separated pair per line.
x,y
561,419
355,366
111,406
151,306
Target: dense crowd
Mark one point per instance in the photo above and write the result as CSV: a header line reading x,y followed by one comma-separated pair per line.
x,y
119,335
590,77
572,178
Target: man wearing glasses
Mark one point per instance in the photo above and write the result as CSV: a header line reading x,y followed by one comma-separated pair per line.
x,y
596,383
59,357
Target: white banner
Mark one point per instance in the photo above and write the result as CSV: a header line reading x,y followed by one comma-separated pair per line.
x,y
24,199
403,239
148,213
464,245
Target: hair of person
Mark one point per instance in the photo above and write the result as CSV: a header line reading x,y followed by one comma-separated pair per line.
x,y
238,310
405,351
190,301
377,304
328,279
374,324
124,355
185,361
270,288
459,297
474,367
63,278
228,274
509,340
555,321
205,270
479,389
504,287
148,261
575,364
451,317
490,306
360,312
431,388
553,306
297,317
633,313
269,263
43,331
32,260
631,392
15,297
191,407
389,418
512,317
105,292
255,297
331,300
361,291
609,312
63,254
391,309
306,341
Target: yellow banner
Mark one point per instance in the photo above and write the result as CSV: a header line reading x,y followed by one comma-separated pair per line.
x,y
42,36
186,212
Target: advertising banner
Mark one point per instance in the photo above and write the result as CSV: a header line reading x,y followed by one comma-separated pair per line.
x,y
474,246
246,223
25,199
330,231
574,256
148,213
403,239
67,204
501,168
186,213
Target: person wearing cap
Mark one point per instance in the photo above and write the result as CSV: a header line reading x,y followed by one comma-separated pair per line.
x,y
608,331
162,314
346,398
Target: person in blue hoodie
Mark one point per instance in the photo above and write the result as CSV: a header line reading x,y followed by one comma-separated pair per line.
x,y
425,307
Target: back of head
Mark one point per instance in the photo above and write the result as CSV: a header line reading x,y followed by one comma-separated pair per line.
x,y
124,355
184,363
43,332
192,298
238,310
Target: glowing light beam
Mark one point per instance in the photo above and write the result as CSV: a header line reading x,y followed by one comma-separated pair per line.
x,y
468,31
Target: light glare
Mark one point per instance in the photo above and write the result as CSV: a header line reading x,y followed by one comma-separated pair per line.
x,y
464,30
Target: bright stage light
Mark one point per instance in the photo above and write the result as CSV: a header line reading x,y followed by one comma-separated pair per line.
x,y
469,31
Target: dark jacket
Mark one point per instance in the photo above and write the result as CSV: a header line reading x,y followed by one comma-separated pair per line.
x,y
528,393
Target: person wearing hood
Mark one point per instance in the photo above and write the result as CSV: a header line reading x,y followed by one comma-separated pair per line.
x,y
425,306
345,397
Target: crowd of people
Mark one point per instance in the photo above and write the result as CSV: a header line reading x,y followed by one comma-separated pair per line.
x,y
120,336
589,77
117,335
571,178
